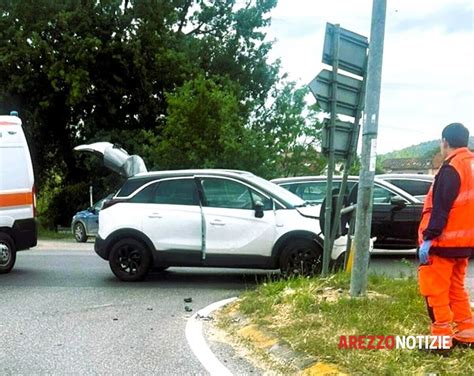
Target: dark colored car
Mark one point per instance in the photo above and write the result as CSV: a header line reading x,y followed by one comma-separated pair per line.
x,y
85,223
395,216
417,185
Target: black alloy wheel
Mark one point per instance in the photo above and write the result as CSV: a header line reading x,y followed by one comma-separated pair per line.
x,y
301,257
129,260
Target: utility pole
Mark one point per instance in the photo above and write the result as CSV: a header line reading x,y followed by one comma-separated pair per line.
x,y
369,149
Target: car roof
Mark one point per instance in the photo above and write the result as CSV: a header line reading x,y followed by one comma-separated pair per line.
x,y
153,175
135,182
190,172
138,180
381,182
302,179
425,177
299,179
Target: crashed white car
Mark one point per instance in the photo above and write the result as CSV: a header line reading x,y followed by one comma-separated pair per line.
x,y
209,218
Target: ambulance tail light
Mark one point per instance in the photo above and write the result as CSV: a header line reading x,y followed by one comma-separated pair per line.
x,y
33,194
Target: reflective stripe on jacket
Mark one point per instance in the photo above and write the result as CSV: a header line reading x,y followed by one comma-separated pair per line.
x,y
459,229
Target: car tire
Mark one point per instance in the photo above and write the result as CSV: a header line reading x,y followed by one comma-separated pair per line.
x,y
80,232
302,257
338,264
130,260
7,253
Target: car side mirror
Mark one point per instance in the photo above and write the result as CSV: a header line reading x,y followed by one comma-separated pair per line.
x,y
258,209
398,201
91,209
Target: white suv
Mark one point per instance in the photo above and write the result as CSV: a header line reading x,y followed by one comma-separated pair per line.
x,y
210,218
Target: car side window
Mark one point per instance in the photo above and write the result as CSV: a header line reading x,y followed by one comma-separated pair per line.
x,y
98,205
267,203
382,195
224,193
413,187
314,192
176,192
145,195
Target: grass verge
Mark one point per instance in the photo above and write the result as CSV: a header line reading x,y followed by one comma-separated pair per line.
x,y
312,314
45,234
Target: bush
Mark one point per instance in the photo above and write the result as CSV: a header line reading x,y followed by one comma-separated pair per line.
x,y
57,205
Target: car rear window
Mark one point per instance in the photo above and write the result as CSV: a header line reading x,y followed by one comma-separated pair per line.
x,y
130,186
145,196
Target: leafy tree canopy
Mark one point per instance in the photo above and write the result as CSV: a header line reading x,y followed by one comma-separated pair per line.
x,y
157,77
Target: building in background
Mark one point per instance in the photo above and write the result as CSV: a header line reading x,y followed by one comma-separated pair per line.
x,y
413,165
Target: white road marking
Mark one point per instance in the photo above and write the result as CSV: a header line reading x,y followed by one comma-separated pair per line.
x,y
198,344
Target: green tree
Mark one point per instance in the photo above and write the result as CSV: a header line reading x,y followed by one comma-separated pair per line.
x,y
77,70
204,130
291,131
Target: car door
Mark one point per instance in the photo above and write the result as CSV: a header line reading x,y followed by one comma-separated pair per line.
x,y
92,222
394,221
93,219
231,225
172,216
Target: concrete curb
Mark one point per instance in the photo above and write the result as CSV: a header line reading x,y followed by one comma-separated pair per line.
x,y
198,344
281,352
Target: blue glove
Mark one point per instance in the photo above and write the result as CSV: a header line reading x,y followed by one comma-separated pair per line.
x,y
424,251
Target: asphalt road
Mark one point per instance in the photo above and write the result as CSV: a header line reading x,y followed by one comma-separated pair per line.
x,y
63,312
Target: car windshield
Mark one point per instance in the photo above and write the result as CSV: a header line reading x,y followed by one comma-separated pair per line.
x,y
278,191
98,205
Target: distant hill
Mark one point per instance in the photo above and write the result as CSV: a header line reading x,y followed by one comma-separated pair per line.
x,y
424,150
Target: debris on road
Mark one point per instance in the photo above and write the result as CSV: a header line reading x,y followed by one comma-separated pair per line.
x,y
204,318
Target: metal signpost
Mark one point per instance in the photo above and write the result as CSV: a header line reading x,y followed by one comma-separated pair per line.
x,y
347,92
339,94
368,157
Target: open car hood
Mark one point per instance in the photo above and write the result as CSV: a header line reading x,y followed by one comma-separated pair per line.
x,y
116,158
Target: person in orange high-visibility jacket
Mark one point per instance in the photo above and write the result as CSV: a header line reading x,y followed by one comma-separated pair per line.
x,y
446,237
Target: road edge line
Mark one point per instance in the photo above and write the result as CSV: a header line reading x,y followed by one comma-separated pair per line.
x,y
198,344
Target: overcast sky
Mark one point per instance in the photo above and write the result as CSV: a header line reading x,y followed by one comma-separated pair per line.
x,y
427,78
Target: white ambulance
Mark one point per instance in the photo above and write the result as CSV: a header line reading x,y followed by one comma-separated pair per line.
x,y
18,229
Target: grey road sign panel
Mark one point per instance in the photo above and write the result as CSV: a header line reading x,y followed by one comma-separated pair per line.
x,y
352,50
347,95
342,137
